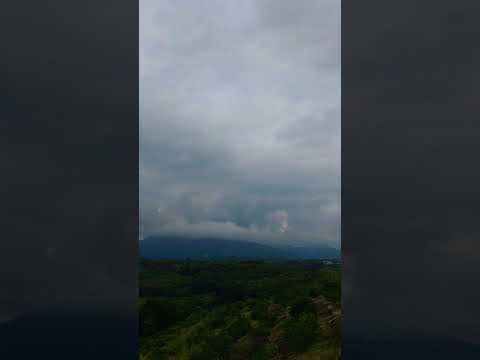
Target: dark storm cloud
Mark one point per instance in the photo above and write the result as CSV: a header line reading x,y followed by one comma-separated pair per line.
x,y
239,117
410,190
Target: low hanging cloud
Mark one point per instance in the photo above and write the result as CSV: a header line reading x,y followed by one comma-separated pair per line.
x,y
172,221
240,119
278,221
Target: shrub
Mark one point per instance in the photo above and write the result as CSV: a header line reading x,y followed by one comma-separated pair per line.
x,y
260,311
301,306
216,347
261,331
314,292
299,334
332,291
238,328
217,321
157,315
202,355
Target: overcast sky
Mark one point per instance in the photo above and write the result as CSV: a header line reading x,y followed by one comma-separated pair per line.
x,y
240,119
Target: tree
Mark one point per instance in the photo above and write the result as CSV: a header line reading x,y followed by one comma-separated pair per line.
x,y
303,305
299,334
238,328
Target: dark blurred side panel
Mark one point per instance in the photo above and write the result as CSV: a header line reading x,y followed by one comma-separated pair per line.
x,y
69,171
410,194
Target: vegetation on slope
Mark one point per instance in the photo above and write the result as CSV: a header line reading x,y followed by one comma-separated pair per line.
x,y
239,310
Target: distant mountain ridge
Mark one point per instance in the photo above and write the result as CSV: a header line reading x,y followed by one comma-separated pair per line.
x,y
176,247
312,252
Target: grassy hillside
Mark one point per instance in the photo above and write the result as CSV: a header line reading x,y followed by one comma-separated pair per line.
x,y
206,310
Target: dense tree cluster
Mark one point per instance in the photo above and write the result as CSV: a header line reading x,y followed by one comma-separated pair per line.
x,y
239,310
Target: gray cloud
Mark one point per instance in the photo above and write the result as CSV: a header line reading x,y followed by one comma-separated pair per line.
x,y
239,118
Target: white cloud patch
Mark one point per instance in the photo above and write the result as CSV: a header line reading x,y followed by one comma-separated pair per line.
x,y
278,221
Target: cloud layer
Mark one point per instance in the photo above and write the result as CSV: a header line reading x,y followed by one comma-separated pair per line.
x,y
240,118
